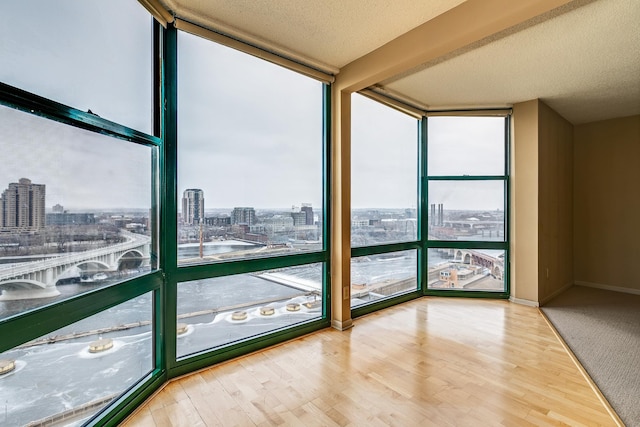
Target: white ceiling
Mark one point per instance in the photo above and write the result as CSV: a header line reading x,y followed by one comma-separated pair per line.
x,y
584,63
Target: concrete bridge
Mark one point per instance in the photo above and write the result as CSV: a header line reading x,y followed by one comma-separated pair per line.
x,y
486,258
37,279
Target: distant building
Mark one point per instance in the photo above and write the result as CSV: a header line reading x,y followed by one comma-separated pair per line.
x,y
192,206
308,210
66,218
243,215
22,206
218,221
299,218
57,208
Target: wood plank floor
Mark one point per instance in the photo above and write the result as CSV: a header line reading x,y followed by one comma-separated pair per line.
x,y
429,362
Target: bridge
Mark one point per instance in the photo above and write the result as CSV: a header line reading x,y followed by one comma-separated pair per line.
x,y
492,260
37,279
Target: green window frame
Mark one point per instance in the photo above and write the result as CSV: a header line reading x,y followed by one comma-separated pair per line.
x,y
429,244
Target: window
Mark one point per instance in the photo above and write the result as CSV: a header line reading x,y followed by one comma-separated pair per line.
x,y
384,202
375,277
467,201
70,221
249,167
71,373
250,205
96,66
384,174
219,311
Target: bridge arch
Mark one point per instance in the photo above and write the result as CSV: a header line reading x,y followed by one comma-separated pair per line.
x,y
130,260
17,289
93,265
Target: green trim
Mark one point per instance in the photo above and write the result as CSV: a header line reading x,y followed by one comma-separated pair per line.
x,y
169,199
33,104
41,321
423,191
210,357
240,266
467,294
466,244
468,178
326,200
383,303
384,248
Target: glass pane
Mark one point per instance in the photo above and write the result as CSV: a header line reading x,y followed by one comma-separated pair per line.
x,y
250,164
466,210
384,174
91,55
466,146
74,211
218,311
375,277
466,269
65,377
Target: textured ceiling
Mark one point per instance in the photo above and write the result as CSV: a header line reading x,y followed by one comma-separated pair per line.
x,y
584,63
331,32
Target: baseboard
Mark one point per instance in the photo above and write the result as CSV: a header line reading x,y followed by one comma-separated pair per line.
x,y
556,293
342,326
526,302
608,287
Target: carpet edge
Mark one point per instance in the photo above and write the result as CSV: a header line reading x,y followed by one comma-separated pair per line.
x,y
583,371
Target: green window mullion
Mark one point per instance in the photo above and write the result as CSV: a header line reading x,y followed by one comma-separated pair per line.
x,y
41,321
382,249
168,218
326,197
468,178
196,272
34,104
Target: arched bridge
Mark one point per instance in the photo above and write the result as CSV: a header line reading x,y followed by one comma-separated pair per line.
x,y
37,279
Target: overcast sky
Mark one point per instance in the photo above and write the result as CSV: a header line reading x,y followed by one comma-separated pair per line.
x,y
249,131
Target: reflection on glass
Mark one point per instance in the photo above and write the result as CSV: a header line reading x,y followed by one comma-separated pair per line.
x,y
384,174
466,210
250,164
466,146
73,372
74,216
466,269
70,52
218,311
375,277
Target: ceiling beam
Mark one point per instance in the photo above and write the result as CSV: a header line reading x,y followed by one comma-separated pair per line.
x,y
465,24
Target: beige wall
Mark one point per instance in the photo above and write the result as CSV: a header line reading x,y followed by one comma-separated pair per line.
x,y
607,203
541,201
555,203
524,202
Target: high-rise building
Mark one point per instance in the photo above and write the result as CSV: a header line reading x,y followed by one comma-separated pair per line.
x,y
299,218
22,206
192,206
243,215
308,210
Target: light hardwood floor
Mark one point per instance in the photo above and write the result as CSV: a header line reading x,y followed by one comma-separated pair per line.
x,y
429,362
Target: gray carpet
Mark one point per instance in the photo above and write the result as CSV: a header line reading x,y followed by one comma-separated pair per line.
x,y
602,328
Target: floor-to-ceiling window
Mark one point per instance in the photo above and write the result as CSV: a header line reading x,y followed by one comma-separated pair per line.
x,y
466,216
251,255
384,202
79,278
